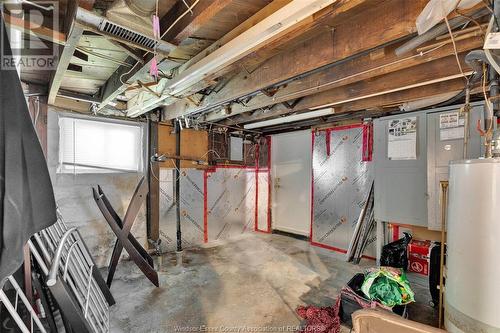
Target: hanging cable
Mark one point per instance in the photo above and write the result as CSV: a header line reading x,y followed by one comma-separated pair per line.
x,y
455,51
179,18
487,102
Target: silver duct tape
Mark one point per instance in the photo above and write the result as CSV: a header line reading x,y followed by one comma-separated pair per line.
x,y
263,201
191,181
231,202
341,184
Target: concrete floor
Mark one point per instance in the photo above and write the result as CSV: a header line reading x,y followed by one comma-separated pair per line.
x,y
253,283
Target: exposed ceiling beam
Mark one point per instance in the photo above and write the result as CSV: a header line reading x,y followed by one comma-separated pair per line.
x,y
41,32
378,62
267,30
320,23
137,55
77,96
375,106
352,36
117,82
271,8
441,70
74,33
86,4
309,28
400,97
203,12
250,22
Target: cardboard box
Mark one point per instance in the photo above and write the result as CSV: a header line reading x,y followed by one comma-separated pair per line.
x,y
419,252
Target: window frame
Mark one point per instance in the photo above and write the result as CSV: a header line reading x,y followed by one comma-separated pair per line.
x,y
81,169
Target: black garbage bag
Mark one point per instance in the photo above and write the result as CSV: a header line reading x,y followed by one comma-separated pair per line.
x,y
395,254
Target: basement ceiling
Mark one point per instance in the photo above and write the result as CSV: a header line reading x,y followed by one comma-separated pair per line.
x,y
336,57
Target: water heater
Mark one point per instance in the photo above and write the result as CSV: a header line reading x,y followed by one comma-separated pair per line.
x,y
472,291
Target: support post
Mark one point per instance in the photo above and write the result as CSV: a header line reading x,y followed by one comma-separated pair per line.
x,y
178,185
153,197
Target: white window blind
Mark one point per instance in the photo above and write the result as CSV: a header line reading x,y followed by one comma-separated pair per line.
x,y
236,152
88,146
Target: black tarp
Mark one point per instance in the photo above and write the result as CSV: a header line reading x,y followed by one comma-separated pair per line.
x,y
27,202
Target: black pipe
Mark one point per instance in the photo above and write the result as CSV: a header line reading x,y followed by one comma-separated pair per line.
x,y
494,79
149,222
475,59
434,32
178,184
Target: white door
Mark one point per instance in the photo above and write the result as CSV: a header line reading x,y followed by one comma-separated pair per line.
x,y
291,173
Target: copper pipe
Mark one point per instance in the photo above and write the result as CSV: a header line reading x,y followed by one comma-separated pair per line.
x,y
444,206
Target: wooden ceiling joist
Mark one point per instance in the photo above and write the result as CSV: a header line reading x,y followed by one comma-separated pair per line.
x,y
440,70
377,106
37,30
250,22
74,33
201,14
358,34
400,97
266,31
378,62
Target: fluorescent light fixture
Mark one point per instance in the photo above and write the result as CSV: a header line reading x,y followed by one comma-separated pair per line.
x,y
292,118
255,37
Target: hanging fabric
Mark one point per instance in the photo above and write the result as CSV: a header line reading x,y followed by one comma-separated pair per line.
x,y
27,202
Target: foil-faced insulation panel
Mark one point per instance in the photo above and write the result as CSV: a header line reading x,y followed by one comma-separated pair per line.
x,y
230,202
192,202
341,183
263,213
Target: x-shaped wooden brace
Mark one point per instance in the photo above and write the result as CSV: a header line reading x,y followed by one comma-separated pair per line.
x,y
122,231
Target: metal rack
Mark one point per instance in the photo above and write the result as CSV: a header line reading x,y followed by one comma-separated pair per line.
x,y
13,308
72,278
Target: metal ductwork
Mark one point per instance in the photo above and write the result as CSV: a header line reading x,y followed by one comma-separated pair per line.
x,y
103,26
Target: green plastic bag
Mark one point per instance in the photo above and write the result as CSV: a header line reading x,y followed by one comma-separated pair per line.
x,y
388,286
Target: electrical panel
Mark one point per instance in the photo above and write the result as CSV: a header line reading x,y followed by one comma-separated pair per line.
x,y
411,155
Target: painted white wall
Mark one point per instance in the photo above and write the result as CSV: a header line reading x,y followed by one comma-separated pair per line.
x,y
291,180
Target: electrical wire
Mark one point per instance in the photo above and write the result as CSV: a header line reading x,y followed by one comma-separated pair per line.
x,y
487,102
210,151
231,127
457,12
157,178
127,73
190,9
455,51
175,167
326,84
102,56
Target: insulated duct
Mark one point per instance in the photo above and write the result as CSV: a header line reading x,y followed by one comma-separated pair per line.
x,y
103,26
144,8
134,14
426,102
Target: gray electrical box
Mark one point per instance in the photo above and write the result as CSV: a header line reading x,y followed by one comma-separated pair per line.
x,y
410,162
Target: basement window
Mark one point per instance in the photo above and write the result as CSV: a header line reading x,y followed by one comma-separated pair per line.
x,y
91,146
236,149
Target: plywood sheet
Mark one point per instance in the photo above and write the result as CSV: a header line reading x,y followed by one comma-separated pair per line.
x,y
194,144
